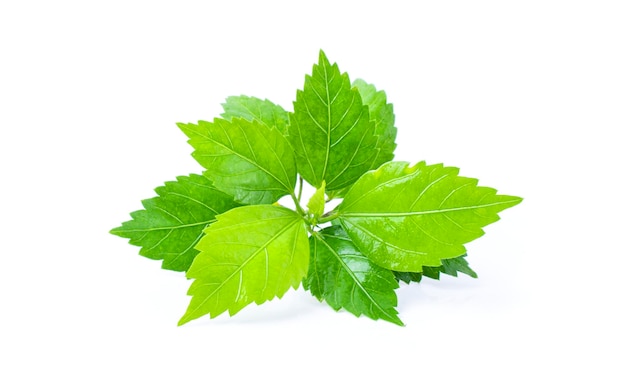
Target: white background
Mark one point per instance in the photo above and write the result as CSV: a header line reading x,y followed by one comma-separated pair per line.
x,y
528,96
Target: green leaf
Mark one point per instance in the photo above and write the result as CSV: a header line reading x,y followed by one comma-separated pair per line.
x,y
248,160
330,129
453,266
396,223
253,109
404,218
172,223
450,267
429,272
382,114
317,201
346,278
408,277
251,254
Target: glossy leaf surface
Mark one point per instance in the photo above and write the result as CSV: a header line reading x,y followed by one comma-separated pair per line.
x,y
253,109
251,254
227,229
345,278
330,129
248,160
404,218
172,223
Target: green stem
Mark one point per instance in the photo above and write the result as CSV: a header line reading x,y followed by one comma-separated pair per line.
x,y
328,217
300,190
298,206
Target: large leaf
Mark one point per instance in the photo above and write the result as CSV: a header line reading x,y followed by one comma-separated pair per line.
x,y
345,278
330,129
172,223
251,254
450,267
248,160
404,218
381,113
254,109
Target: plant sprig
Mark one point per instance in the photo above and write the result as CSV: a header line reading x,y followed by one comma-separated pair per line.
x,y
226,230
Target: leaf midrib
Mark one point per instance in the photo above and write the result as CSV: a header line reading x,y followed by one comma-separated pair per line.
x,y
424,212
242,265
351,273
248,159
166,227
329,123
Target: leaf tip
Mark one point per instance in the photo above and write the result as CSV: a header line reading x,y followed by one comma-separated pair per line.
x,y
322,56
117,231
512,201
185,319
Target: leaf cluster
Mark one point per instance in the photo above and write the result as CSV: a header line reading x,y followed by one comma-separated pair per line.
x,y
396,221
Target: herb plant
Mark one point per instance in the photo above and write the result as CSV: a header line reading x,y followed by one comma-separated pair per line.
x,y
396,221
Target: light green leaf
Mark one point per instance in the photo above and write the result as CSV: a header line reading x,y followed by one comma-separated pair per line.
x,y
382,114
404,218
317,201
248,160
345,278
251,254
450,267
253,109
330,129
172,223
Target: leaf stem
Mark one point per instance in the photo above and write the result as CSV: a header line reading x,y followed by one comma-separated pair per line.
x,y
298,206
300,189
329,216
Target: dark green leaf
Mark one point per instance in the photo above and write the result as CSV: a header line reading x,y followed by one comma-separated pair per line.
x,y
450,267
330,129
382,114
172,223
345,278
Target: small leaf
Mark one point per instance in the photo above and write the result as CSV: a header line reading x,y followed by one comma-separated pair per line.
x,y
382,114
248,160
453,266
172,223
404,218
345,278
450,267
253,109
330,129
317,201
251,254
408,277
